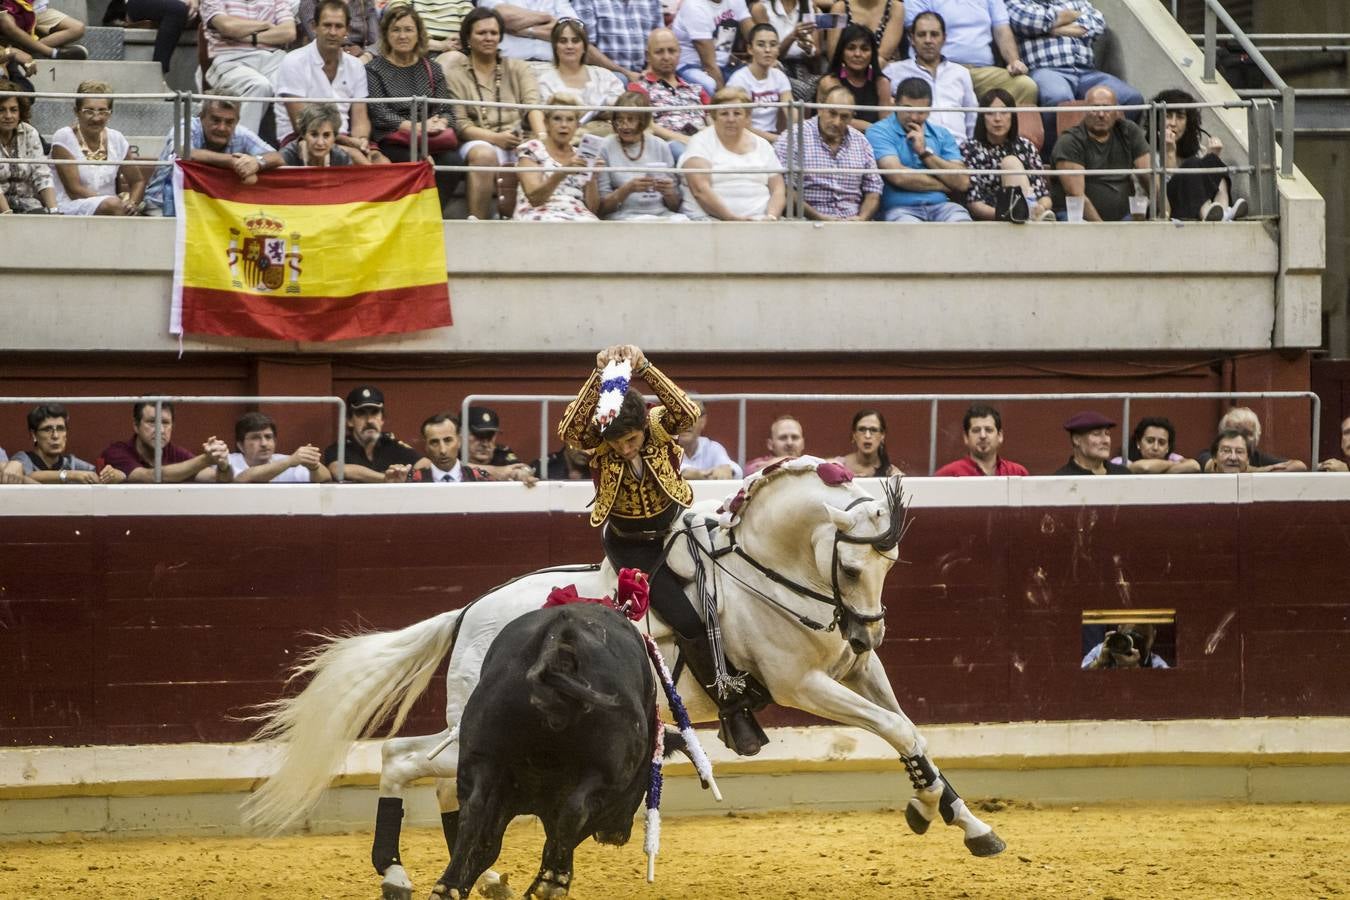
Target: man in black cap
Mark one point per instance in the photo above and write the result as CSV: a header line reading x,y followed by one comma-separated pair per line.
x,y
483,447
372,455
1090,435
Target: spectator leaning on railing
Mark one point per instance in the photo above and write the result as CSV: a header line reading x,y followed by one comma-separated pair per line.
x,y
1244,421
982,432
322,69
93,190
135,457
827,141
246,41
974,28
216,139
48,462
1150,451
11,470
372,455
317,126
664,88
256,460
919,155
25,187
1339,465
1090,438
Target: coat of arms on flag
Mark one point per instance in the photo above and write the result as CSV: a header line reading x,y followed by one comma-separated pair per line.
x,y
264,258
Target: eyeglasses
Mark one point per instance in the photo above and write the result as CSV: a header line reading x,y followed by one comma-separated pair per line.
x,y
52,429
868,429
95,113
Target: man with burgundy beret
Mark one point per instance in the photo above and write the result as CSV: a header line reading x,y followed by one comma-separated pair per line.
x,y
1090,437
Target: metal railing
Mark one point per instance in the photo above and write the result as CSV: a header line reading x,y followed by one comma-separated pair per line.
x,y
547,424
158,400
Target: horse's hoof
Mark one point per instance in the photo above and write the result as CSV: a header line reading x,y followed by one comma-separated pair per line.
x,y
917,823
986,845
495,886
395,892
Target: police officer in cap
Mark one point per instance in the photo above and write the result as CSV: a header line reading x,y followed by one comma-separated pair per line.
x,y
372,454
484,423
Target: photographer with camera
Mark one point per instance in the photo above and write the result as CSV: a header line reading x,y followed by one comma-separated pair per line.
x,y
1130,647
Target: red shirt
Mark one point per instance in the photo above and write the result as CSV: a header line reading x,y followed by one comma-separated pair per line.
x,y
965,466
124,457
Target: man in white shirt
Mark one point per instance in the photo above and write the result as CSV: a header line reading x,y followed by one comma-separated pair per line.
x,y
704,457
529,26
951,82
322,69
257,461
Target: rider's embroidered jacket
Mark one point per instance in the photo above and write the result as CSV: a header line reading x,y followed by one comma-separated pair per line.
x,y
617,491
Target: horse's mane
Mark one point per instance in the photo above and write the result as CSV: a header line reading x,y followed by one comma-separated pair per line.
x,y
829,474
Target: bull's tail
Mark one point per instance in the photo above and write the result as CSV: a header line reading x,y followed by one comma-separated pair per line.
x,y
559,689
356,682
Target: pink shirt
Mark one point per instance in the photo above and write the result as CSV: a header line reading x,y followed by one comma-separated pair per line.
x,y
277,12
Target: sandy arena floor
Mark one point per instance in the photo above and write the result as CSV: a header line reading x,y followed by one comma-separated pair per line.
x,y
1100,852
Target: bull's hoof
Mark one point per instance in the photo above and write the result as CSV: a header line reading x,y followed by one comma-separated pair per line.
x,y
986,845
443,891
495,887
915,820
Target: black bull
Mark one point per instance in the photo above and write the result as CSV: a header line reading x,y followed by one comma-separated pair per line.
x,y
559,726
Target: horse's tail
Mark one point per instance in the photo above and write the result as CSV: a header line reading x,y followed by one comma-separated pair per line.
x,y
356,683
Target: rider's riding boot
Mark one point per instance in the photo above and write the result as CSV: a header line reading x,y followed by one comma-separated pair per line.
x,y
739,730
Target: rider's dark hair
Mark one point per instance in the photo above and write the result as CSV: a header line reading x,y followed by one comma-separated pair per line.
x,y
980,411
1132,452
632,416
883,458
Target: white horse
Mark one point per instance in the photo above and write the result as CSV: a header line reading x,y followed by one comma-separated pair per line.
x,y
805,559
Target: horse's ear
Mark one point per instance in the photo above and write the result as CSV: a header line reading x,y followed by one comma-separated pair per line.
x,y
843,520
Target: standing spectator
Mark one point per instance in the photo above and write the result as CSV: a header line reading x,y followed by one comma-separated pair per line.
x,y
216,139
1090,438
868,458
527,25
1337,465
632,195
704,458
1103,140
764,82
592,85
717,183
828,141
363,27
322,69
982,431
883,19
1150,451
171,18
1243,420
1203,196
1017,194
1056,38
618,31
920,153
246,40
24,186
48,462
706,30
256,460
546,195
798,48
785,442
135,457
440,436
372,454
854,65
1231,453
484,426
18,33
950,82
92,190
664,87
975,28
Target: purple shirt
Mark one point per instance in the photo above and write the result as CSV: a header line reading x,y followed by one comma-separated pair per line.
x,y
124,457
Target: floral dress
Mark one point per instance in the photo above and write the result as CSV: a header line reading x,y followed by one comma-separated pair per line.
x,y
23,183
568,201
982,155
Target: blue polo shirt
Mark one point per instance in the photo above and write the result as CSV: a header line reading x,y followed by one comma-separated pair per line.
x,y
887,138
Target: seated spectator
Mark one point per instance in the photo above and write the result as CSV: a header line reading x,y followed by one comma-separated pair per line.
x,y
1231,453
170,18
92,190
317,127
440,436
1056,38
527,25
868,458
546,196
884,20
633,195
1203,196
1130,647
1017,195
785,442
322,69
48,462
949,81
920,153
569,464
25,187
764,82
1150,450
1244,420
247,40
216,139
484,426
618,32
664,87
372,455
443,19
135,458
488,136
1338,465
257,462
827,141
591,85
716,185
854,65
704,458
11,471
706,30
974,30
403,70
1090,437
799,46
1103,140
363,27
54,28
982,431
19,26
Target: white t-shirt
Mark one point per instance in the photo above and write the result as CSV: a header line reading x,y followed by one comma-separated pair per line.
x,y
301,75
293,475
704,20
774,88
742,193
602,87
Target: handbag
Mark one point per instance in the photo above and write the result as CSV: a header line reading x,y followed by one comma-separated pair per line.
x,y
440,142
1010,205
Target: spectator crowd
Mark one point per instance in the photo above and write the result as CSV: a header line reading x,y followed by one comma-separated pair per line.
x,y
521,74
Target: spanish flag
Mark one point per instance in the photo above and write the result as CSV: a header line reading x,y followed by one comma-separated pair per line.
x,y
309,254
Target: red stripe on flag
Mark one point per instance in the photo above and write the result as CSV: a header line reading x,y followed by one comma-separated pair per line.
x,y
312,185
392,311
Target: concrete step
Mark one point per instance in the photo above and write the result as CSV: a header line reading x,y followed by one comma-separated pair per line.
x,y
140,46
131,117
125,77
104,43
78,9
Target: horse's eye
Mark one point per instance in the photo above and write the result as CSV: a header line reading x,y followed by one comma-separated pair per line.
x,y
852,573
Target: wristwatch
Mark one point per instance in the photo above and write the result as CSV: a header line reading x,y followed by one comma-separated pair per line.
x,y
926,153
254,37
63,476
262,163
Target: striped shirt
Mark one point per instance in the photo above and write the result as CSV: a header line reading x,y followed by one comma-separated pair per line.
x,y
441,17
1032,22
276,12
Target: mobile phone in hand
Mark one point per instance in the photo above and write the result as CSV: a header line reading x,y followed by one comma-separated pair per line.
x,y
830,20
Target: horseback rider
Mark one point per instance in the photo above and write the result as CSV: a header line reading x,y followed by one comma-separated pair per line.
x,y
639,494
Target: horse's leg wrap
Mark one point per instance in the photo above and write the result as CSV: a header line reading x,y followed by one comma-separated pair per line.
x,y
450,827
947,804
388,823
921,771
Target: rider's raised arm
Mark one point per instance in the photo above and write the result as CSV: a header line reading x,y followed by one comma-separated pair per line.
x,y
679,412
577,428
